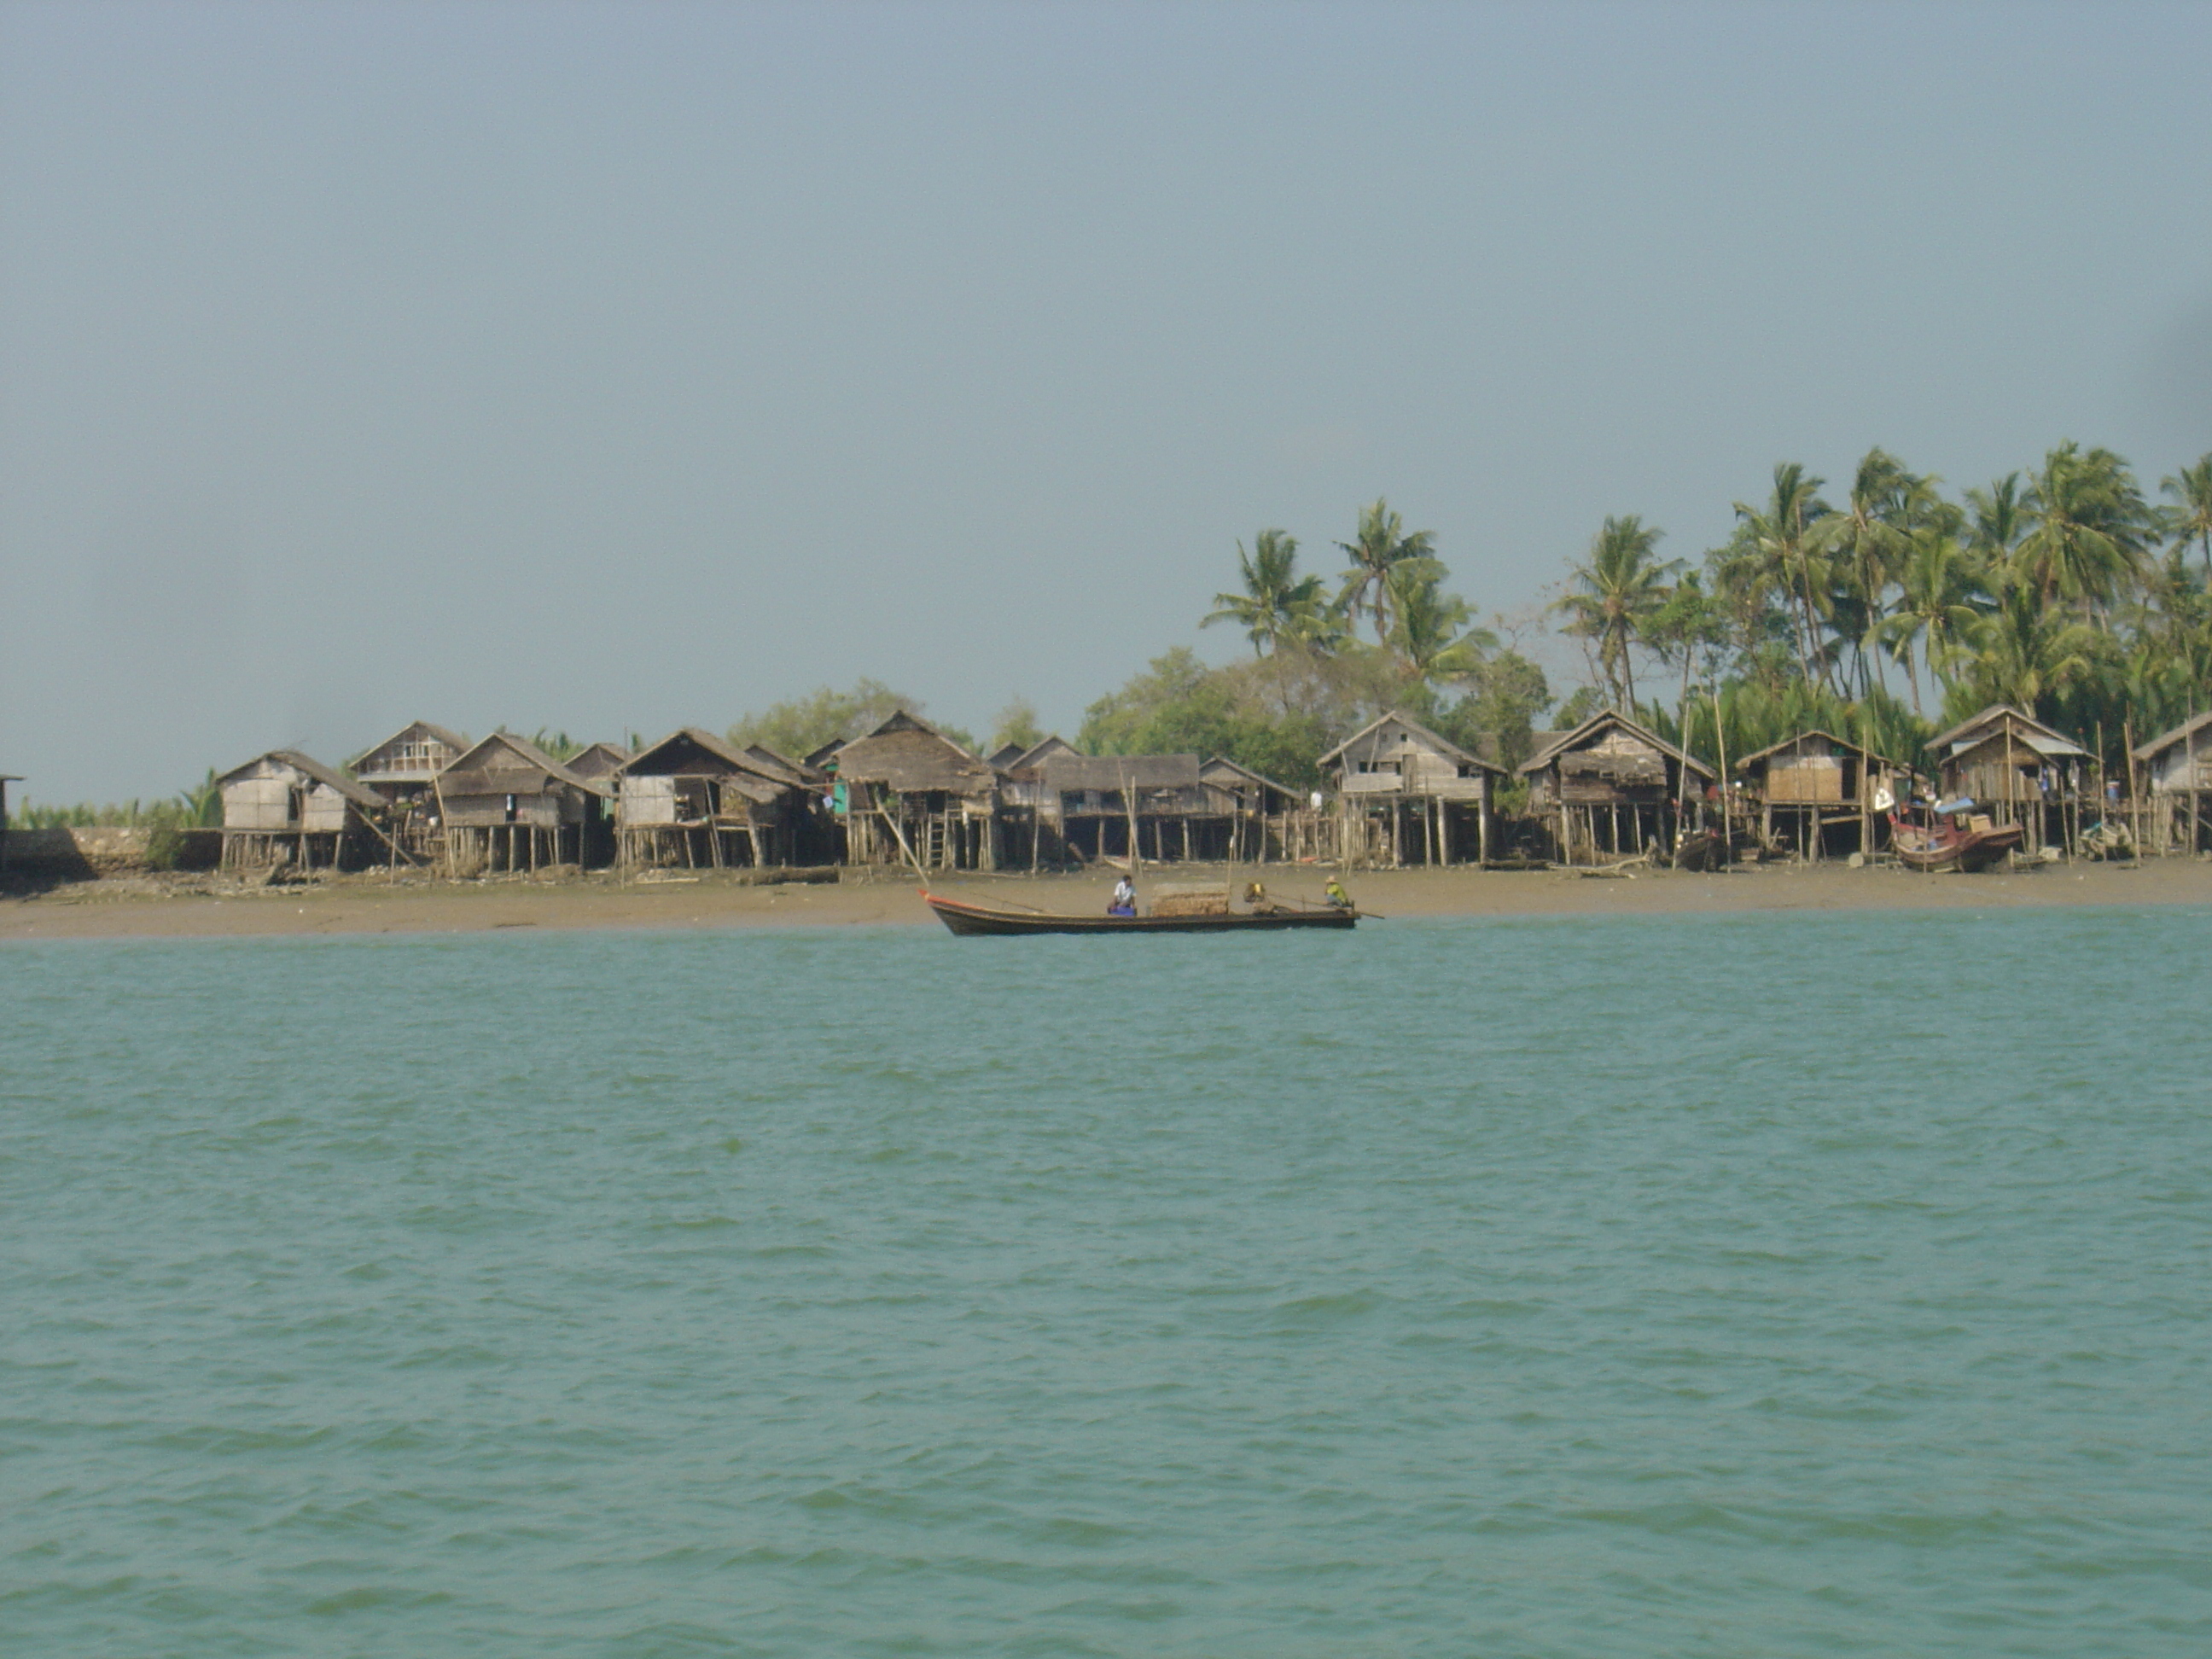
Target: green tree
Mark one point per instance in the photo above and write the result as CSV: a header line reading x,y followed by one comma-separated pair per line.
x,y
1276,603
2087,528
1944,594
1772,553
2189,517
1430,628
1017,723
825,715
1381,544
1613,594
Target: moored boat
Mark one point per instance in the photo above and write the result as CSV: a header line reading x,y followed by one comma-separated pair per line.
x,y
967,920
1969,847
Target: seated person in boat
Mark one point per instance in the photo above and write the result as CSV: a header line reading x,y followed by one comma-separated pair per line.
x,y
1334,893
1256,899
1124,901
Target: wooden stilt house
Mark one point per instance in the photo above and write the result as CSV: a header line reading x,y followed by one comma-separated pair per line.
x,y
1269,821
285,807
2177,768
1822,794
1405,795
402,771
695,800
907,790
2016,770
1611,788
599,763
506,804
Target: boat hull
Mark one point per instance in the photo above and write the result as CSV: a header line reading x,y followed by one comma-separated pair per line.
x,y
975,921
1968,851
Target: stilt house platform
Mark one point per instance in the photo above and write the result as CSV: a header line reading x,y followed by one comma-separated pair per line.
x,y
2017,770
1405,795
402,771
907,786
507,805
285,807
1613,789
693,799
2178,767
1824,794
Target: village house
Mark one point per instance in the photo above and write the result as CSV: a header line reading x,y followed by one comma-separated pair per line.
x,y
285,807
506,804
598,763
2017,770
695,800
2178,782
909,793
1822,794
1405,795
402,771
1268,820
1612,789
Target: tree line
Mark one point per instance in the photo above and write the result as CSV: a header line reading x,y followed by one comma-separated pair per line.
x,y
1881,613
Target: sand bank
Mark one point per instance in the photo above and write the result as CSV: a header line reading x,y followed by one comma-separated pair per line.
x,y
369,904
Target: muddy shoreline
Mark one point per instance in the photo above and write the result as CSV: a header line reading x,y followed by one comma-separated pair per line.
x,y
193,908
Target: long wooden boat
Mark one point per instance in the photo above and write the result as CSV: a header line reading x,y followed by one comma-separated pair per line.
x,y
968,919
1948,847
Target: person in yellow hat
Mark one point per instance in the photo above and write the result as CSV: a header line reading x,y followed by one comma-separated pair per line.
x,y
1338,899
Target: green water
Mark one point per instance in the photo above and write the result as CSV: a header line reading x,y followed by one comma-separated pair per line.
x,y
1744,1287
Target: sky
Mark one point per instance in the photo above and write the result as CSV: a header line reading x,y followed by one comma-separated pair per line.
x,y
607,368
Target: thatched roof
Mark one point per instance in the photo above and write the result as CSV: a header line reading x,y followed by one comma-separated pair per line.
x,y
307,767
505,764
773,763
599,761
2181,734
1993,721
1421,733
910,755
1107,773
1038,753
1553,745
1861,750
690,752
413,732
1227,773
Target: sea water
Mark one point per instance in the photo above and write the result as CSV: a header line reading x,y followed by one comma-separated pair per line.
x,y
1754,1285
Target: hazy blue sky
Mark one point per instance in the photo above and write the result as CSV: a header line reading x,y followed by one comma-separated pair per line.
x,y
611,368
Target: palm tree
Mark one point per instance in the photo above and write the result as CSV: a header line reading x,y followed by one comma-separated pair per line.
x,y
2087,526
1277,602
2189,519
1942,590
2026,652
1614,593
1380,544
1867,541
2000,518
1429,627
1772,549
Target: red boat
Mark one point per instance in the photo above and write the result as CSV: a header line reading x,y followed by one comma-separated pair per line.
x,y
1948,844
970,919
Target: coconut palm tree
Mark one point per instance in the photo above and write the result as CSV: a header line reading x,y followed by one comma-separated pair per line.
x,y
1429,627
1867,541
1613,595
2027,652
1277,602
1771,550
1943,595
2189,519
1380,544
2087,529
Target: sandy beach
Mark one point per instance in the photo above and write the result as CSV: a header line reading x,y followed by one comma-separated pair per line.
x,y
371,904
